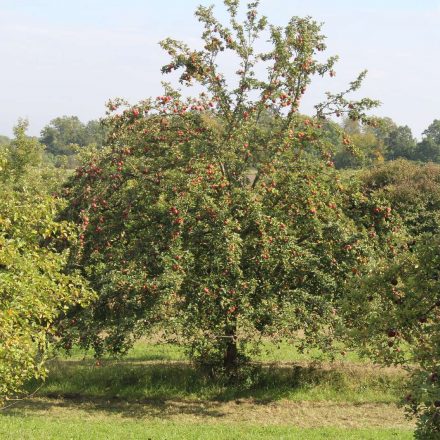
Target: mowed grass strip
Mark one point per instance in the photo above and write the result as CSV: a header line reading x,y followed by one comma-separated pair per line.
x,y
40,429
33,429
56,419
244,411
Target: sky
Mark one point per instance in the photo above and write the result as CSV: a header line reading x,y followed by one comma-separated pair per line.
x,y
68,57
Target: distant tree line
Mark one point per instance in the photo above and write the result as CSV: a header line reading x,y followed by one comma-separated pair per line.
x,y
386,141
64,135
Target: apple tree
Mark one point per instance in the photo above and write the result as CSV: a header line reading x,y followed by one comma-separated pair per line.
x,y
219,218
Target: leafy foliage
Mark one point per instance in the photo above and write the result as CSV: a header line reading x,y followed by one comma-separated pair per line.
x,y
400,143
399,321
201,219
372,145
412,189
428,150
34,286
64,135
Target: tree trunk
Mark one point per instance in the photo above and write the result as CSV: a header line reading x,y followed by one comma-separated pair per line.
x,y
231,353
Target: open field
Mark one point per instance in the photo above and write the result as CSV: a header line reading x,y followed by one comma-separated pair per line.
x,y
155,393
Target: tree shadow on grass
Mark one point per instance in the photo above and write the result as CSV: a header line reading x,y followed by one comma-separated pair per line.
x,y
166,390
134,381
158,391
146,408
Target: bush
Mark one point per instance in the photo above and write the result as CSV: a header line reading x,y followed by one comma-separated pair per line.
x,y
34,284
394,312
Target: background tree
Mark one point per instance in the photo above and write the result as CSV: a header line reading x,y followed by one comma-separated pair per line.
x,y
23,153
361,147
371,145
433,131
34,284
393,313
384,126
63,135
413,191
428,149
95,133
400,143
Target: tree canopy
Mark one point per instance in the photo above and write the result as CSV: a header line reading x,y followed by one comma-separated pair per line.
x,y
197,219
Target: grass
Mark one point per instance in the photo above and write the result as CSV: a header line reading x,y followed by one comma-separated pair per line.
x,y
160,372
284,352
279,352
160,381
154,392
34,428
141,351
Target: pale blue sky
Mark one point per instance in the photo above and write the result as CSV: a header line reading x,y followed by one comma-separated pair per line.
x,y
67,57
